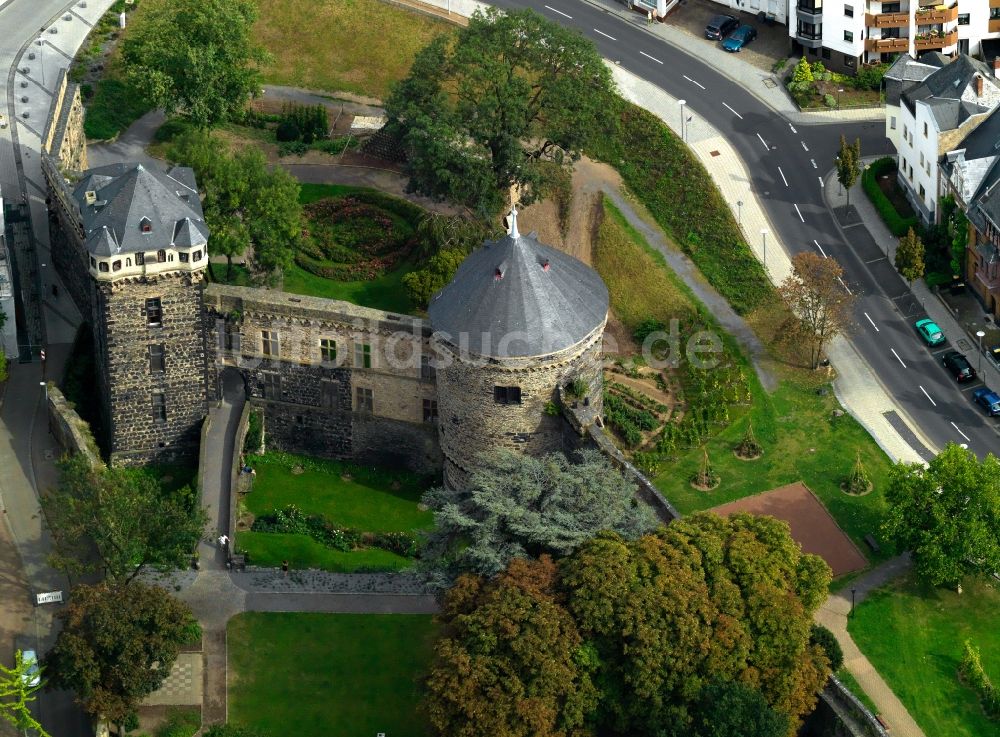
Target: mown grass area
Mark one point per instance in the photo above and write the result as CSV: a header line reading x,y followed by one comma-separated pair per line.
x,y
181,721
802,439
328,675
359,46
914,634
270,549
385,293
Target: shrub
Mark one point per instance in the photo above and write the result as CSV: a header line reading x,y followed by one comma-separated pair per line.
x,y
292,148
829,100
255,433
292,520
286,131
820,635
897,224
3,366
818,70
646,328
171,129
335,146
803,72
869,76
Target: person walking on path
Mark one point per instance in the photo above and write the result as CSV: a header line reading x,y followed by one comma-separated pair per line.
x,y
223,540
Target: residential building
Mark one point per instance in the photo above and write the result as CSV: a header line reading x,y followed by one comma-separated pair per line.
x,y
775,10
844,34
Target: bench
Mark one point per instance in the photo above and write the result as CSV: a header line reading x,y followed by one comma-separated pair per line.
x,y
881,721
872,543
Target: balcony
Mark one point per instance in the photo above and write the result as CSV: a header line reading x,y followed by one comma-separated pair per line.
x,y
994,26
810,12
887,20
887,45
936,42
995,3
934,16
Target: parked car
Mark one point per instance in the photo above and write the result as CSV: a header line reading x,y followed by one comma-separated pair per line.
x,y
929,331
31,676
720,26
739,38
959,366
994,353
988,399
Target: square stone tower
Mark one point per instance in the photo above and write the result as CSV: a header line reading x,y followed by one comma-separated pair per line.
x,y
141,239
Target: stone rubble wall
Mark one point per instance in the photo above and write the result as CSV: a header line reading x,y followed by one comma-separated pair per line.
x,y
69,429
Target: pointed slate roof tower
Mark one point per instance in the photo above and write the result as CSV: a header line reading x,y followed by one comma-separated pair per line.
x,y
518,298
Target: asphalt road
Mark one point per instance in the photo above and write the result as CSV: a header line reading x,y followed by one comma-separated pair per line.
x,y
787,162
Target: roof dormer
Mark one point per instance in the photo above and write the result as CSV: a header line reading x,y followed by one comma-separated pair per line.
x,y
145,225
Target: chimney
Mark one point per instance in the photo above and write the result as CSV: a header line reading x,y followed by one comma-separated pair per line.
x,y
979,85
996,66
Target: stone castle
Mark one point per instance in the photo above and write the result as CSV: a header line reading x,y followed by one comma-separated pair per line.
x,y
518,325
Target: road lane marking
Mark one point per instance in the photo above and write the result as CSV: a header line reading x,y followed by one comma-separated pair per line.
x,y
692,81
967,439
841,280
733,111
928,396
793,128
799,212
650,57
813,162
605,35
820,248
763,141
876,260
782,176
822,184
897,356
872,322
559,11
804,146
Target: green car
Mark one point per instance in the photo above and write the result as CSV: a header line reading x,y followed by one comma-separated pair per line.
x,y
930,332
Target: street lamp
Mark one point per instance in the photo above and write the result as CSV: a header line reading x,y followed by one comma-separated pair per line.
x,y
980,334
739,212
682,103
763,236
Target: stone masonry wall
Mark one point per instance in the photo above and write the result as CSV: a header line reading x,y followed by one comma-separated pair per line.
x,y
124,346
69,429
472,422
64,138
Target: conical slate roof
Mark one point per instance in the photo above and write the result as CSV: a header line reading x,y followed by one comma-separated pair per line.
x,y
516,297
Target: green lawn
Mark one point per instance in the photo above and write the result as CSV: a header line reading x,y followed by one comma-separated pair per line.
x,y
328,675
913,634
385,293
270,549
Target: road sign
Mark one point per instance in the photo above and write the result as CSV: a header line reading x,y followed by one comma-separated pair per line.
x,y
49,597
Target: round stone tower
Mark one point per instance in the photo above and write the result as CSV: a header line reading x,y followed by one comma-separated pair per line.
x,y
519,320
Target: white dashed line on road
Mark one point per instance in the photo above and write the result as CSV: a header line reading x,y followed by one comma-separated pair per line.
x,y
733,111
872,322
650,57
897,357
793,128
961,433
822,184
605,35
804,146
820,248
565,15
928,396
763,141
783,176
813,162
692,81
799,212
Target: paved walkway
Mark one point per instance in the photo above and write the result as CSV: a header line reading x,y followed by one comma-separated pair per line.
x,y
833,614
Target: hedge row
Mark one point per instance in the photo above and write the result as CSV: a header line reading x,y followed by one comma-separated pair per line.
x,y
897,224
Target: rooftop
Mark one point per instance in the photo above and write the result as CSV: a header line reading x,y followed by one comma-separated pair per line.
x,y
942,90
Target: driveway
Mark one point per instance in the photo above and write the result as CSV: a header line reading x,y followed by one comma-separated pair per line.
x,y
770,45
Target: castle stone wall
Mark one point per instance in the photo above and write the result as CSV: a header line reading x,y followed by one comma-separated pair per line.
x,y
64,138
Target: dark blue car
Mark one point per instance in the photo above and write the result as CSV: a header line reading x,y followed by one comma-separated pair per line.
x,y
739,38
988,399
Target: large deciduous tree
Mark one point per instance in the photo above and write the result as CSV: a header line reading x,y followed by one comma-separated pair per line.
x,y
488,108
820,304
947,514
119,521
518,506
247,206
510,661
117,645
196,58
17,693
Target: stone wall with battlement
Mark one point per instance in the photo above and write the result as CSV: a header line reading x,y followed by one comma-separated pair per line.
x,y
64,138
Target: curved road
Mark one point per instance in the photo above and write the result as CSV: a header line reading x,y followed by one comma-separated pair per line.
x,y
786,161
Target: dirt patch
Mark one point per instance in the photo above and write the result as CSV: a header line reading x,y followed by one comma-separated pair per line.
x,y
811,524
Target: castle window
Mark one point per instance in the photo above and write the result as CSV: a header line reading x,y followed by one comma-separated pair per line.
x,y
183,257
157,363
103,266
329,393
507,394
427,370
140,259
362,355
328,350
117,265
170,257
430,410
269,343
154,312
161,255
128,262
232,337
196,256
272,386
159,408
365,400
145,226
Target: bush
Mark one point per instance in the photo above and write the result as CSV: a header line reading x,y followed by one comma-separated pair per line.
x,y
335,146
897,224
171,129
3,366
829,100
287,130
820,635
292,148
255,433
869,76
292,520
113,108
646,328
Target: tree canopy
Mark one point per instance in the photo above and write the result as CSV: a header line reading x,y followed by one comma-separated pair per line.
x,y
16,695
110,641
663,627
247,207
820,303
910,256
947,514
196,58
487,108
119,521
848,165
518,506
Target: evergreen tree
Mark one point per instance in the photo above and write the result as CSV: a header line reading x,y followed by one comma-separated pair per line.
x,y
910,256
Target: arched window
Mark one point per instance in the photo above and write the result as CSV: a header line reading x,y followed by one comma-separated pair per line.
x,y
116,266
103,266
128,262
196,256
161,255
170,257
183,257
